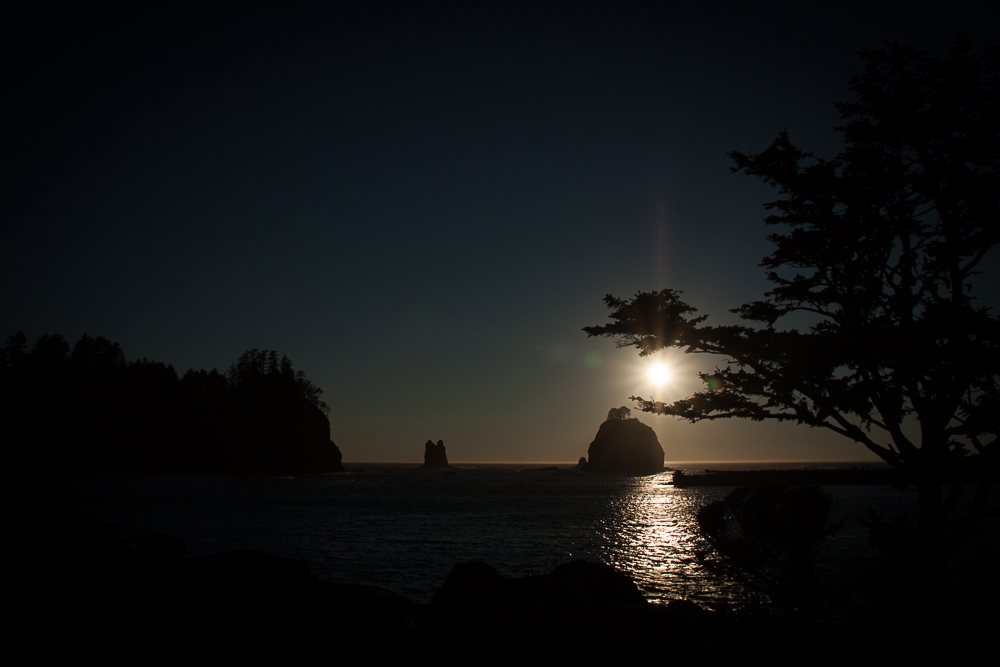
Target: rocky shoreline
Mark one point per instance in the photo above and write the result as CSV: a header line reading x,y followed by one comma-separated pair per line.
x,y
80,586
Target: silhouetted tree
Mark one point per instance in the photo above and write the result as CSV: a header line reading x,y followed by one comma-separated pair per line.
x,y
258,368
619,413
14,352
877,266
310,391
49,355
97,354
205,384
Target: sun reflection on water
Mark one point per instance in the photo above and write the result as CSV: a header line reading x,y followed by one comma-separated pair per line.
x,y
649,531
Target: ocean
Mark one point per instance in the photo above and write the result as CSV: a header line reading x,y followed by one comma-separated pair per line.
x,y
402,529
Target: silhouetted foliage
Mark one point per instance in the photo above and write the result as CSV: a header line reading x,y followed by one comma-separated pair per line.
x,y
12,356
767,537
257,368
877,271
619,413
97,355
93,410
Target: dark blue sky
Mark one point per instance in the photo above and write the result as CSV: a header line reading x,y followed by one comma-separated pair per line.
x,y
420,206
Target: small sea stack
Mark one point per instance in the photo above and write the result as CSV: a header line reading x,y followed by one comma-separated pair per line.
x,y
435,457
624,445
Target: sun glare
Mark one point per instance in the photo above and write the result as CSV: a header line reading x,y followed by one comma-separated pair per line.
x,y
659,374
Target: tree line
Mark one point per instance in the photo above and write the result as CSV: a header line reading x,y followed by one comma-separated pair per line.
x,y
86,407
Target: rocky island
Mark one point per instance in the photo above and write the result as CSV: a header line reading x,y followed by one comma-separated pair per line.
x,y
625,445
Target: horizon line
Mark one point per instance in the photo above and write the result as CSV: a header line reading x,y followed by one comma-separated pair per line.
x,y
876,460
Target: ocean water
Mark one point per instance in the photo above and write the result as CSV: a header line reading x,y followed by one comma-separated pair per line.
x,y
402,529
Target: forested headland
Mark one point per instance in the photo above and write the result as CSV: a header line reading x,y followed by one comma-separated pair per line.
x,y
87,408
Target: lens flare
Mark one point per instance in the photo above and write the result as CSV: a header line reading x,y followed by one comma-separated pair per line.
x,y
659,374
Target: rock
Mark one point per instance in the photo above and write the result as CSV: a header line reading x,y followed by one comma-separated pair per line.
x,y
353,604
476,584
435,458
73,584
626,446
160,551
243,593
85,539
595,583
685,608
249,567
471,584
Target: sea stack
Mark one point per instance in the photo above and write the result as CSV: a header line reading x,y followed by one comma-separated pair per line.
x,y
624,445
435,458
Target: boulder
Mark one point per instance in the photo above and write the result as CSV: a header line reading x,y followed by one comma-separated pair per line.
x,y
584,582
625,446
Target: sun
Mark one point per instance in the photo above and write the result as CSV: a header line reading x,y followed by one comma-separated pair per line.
x,y
659,374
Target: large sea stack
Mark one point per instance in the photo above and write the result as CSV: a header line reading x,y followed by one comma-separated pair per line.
x,y
435,457
624,445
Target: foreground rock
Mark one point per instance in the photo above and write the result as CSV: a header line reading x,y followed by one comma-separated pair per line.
x,y
624,446
578,582
80,588
435,457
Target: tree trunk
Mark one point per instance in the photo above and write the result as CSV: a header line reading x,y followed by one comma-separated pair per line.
x,y
931,544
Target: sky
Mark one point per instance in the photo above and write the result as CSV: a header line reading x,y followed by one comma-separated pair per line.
x,y
421,204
